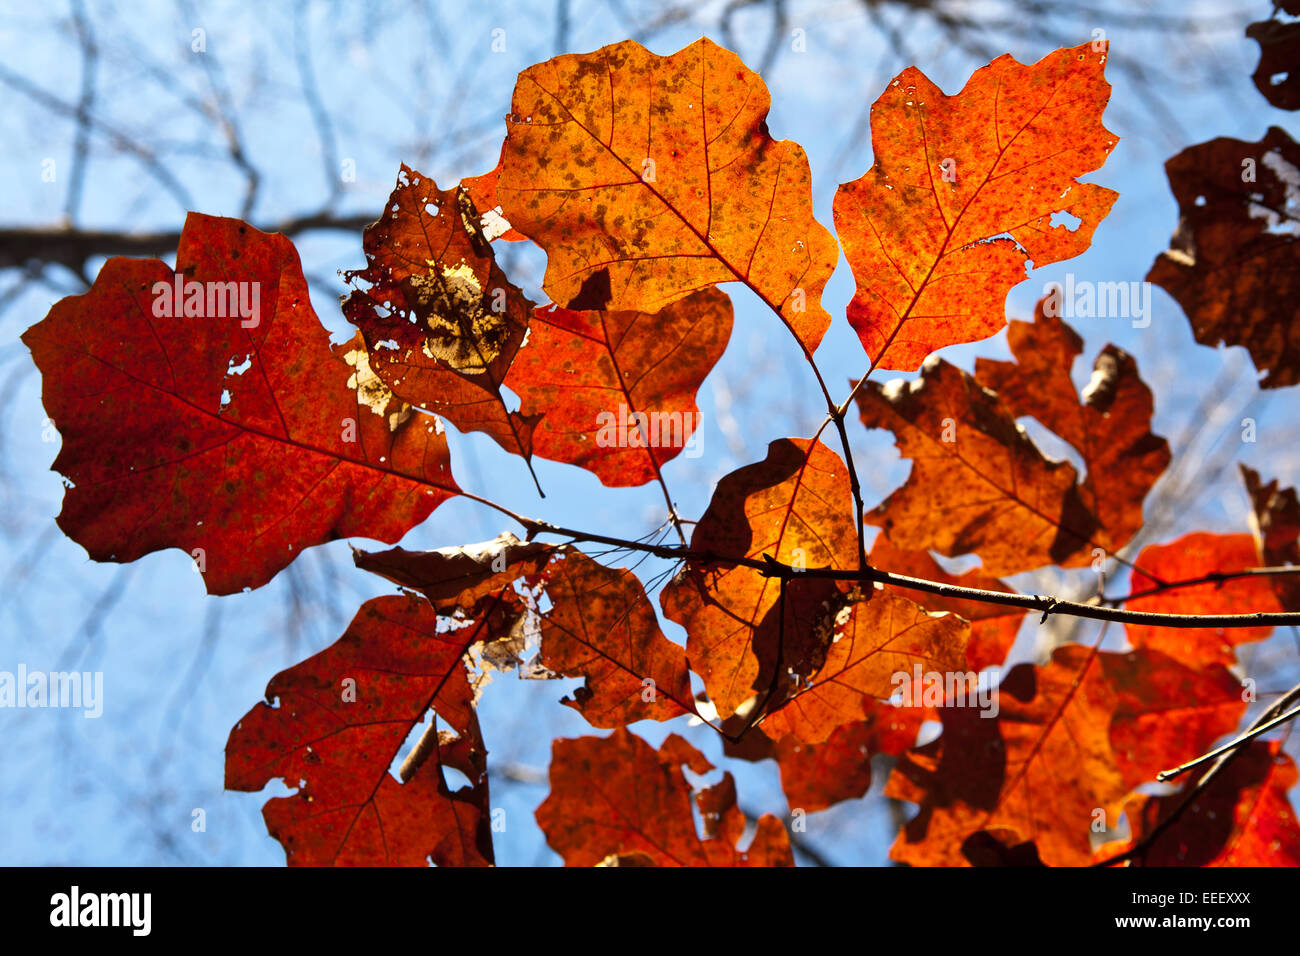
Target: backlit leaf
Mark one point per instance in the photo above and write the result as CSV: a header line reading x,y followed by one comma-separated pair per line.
x,y
963,192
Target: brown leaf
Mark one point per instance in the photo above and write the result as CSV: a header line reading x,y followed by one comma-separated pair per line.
x,y
1276,525
441,321
616,797
600,625
1234,261
978,484
1279,51
1109,424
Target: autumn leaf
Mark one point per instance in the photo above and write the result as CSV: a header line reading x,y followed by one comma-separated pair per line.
x,y
615,797
646,178
993,627
1109,424
978,483
1190,557
1279,50
216,419
458,580
600,624
615,391
962,196
603,627
483,192
790,506
1235,255
332,727
1244,817
1067,740
876,644
815,776
1276,525
441,321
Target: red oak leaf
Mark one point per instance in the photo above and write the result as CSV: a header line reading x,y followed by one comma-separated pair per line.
x,y
1190,557
875,649
333,725
1109,424
203,409
791,506
614,798
1244,817
978,483
1067,741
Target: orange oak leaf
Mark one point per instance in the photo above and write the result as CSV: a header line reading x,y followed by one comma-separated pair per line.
x,y
333,725
877,647
616,797
815,776
1244,817
1190,557
962,194
441,321
203,409
646,178
1234,259
791,506
1276,524
978,483
599,624
1109,423
615,391
993,627
483,191
1067,740
603,627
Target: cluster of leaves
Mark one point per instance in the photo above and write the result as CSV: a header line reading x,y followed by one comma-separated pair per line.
x,y
647,181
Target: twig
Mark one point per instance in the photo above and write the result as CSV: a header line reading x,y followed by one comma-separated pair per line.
x,y
72,248
1138,849
1245,738
1045,604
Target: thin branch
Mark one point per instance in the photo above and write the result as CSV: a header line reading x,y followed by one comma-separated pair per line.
x,y
1046,604
1140,848
1247,737
72,248
1214,577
